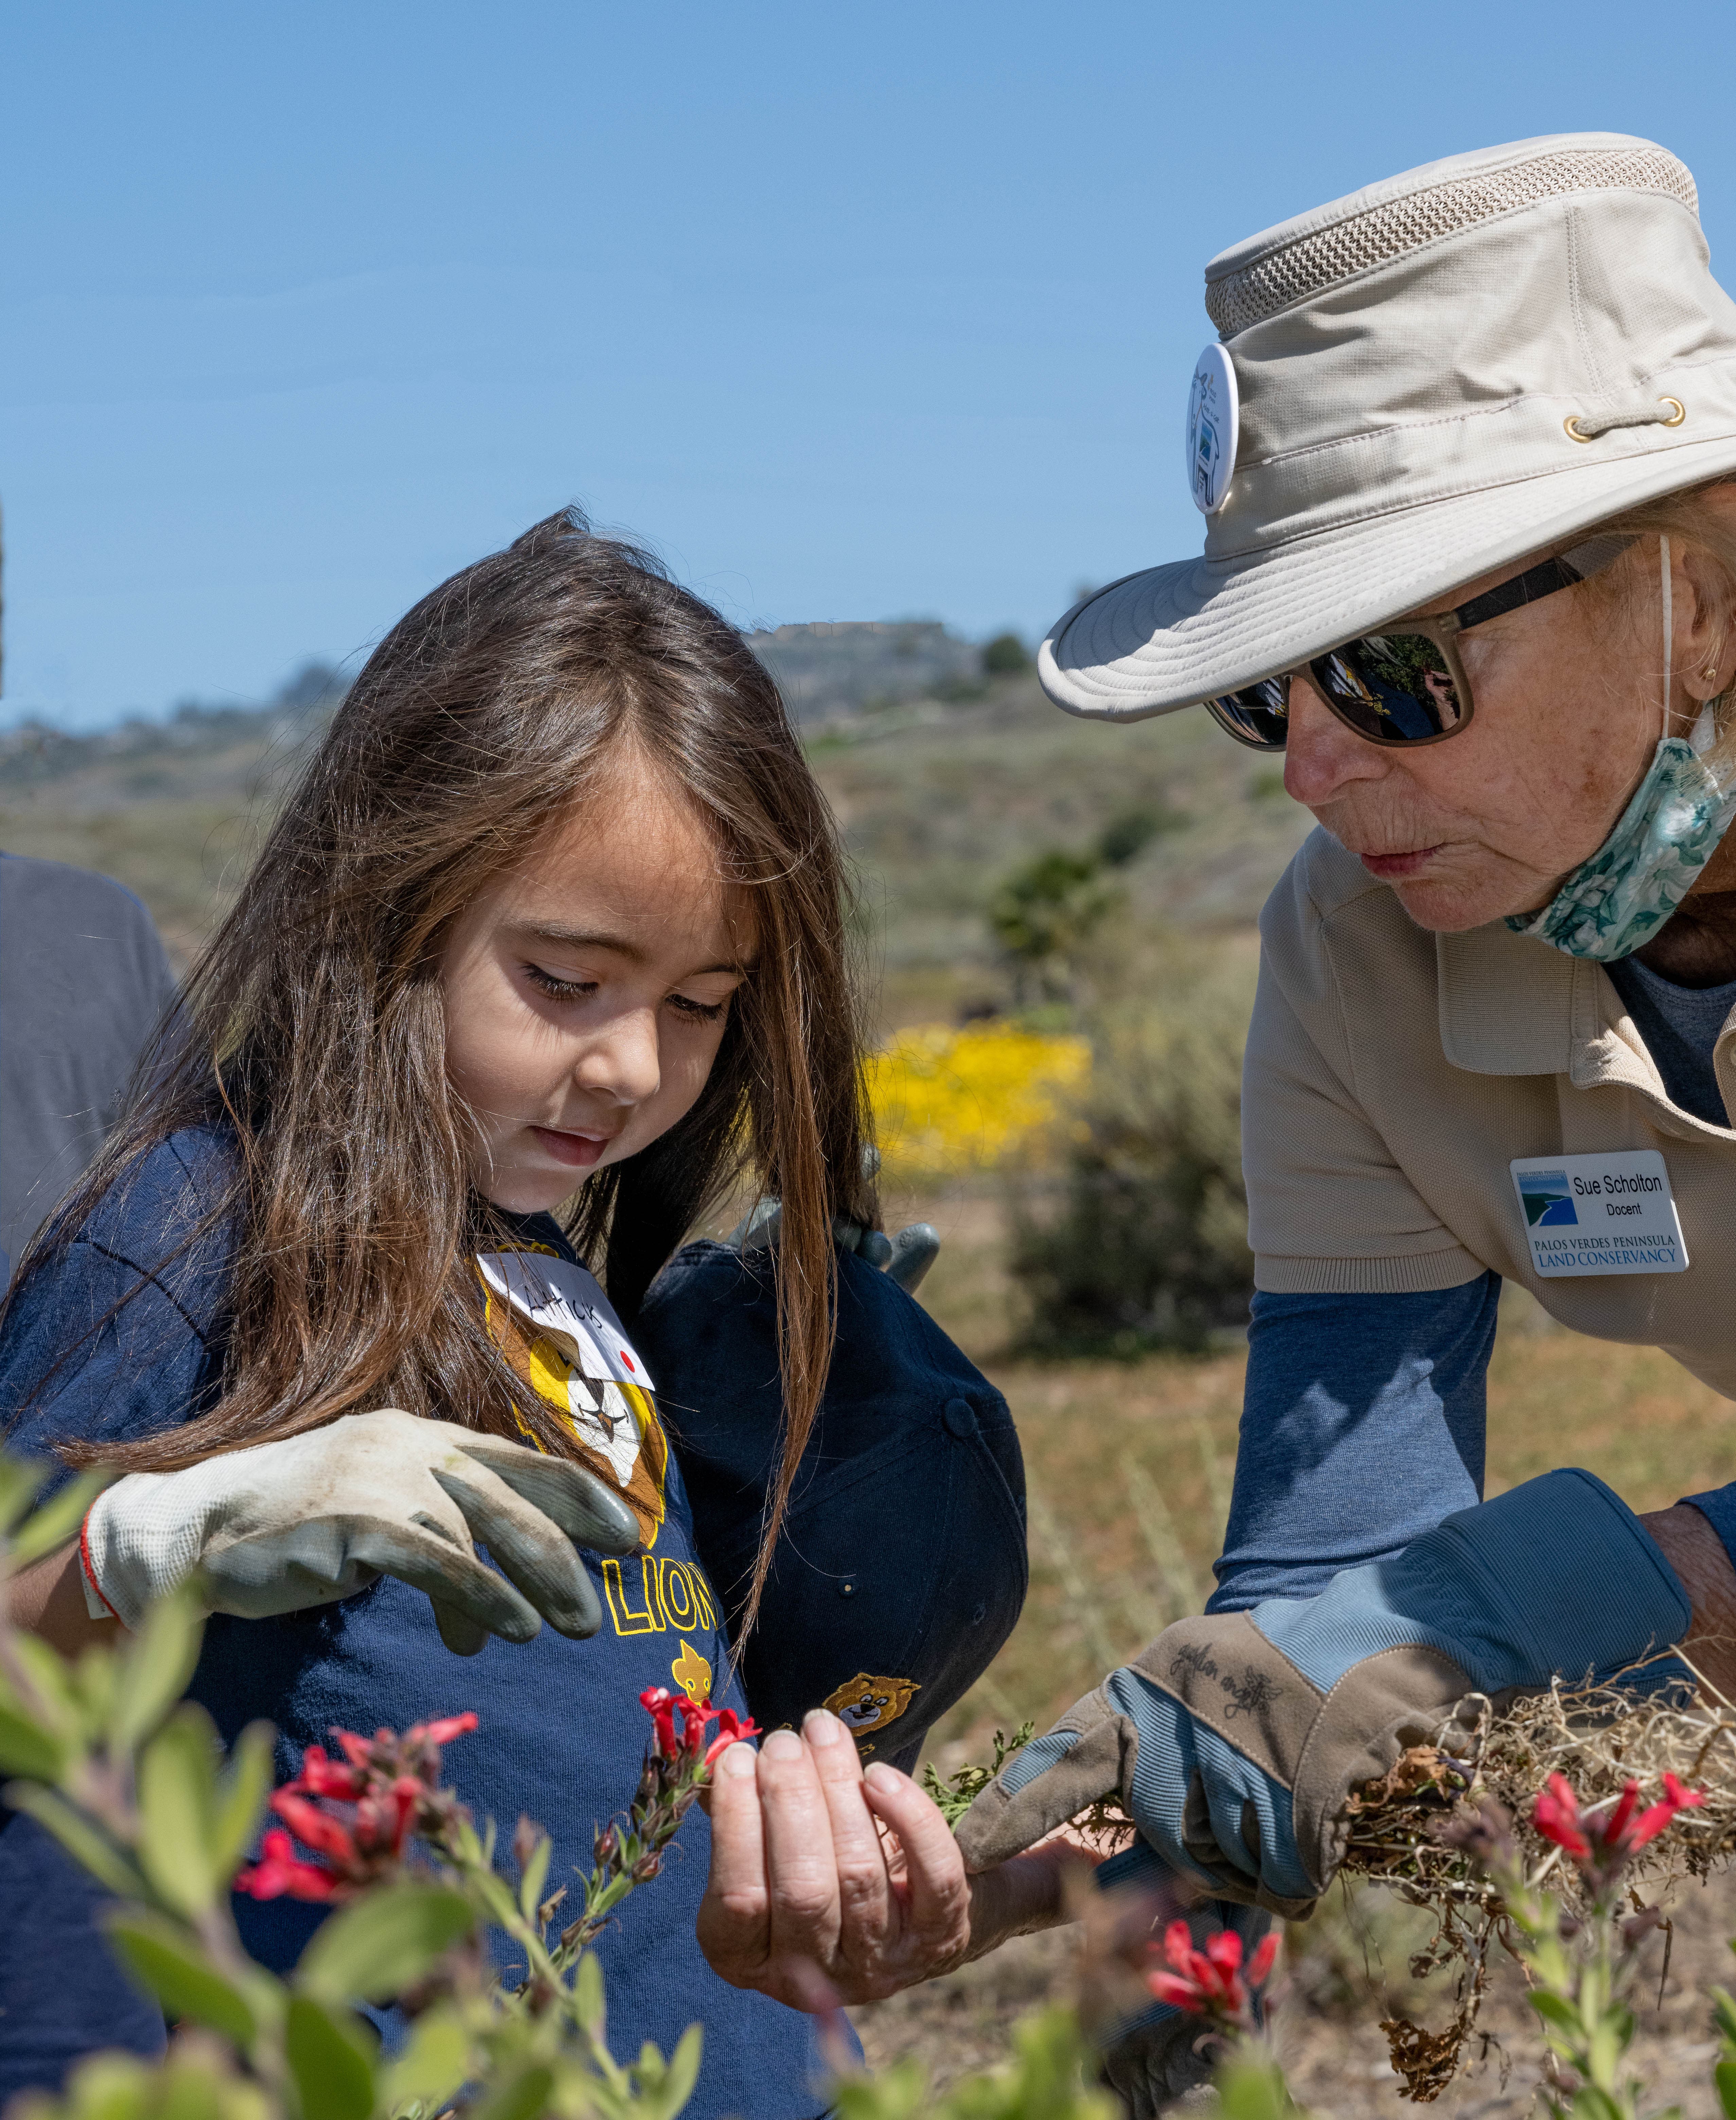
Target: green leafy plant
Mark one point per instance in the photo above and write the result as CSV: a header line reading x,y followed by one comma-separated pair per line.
x,y
1044,913
1005,656
134,1786
130,1782
1142,1239
954,1795
1582,1971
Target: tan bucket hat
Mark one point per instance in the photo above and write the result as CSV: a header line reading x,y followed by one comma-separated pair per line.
x,y
1437,376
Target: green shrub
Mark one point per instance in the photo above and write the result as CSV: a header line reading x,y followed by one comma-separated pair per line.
x,y
1142,1240
1005,656
1044,914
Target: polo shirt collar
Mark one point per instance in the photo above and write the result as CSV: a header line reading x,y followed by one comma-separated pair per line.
x,y
1510,1005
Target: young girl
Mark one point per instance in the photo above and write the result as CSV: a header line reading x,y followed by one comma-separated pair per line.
x,y
554,915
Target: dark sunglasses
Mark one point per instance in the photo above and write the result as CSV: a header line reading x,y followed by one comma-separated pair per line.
x,y
1407,687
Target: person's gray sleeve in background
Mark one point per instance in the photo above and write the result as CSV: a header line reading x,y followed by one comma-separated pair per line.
x,y
84,981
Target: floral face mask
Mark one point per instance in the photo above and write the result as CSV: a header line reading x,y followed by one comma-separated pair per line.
x,y
1614,902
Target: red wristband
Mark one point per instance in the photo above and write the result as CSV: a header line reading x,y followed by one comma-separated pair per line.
x,y
90,1572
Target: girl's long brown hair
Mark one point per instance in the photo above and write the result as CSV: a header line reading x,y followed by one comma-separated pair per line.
x,y
311,1027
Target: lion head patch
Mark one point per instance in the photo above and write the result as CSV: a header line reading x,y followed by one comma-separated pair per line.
x,y
865,1703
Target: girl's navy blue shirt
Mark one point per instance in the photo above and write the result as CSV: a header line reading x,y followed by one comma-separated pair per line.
x,y
561,1735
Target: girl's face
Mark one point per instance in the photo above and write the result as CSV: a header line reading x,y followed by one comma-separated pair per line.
x,y
587,992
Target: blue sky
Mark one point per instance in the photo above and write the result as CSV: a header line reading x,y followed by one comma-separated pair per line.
x,y
852,313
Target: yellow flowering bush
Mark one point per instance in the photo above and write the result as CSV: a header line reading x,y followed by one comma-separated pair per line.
x,y
948,1102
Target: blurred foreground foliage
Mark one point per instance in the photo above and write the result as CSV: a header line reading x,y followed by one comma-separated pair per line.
x,y
132,1780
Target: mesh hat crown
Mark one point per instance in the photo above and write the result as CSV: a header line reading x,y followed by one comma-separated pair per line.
x,y
1446,372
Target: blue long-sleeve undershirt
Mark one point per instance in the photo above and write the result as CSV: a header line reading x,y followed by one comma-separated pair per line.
x,y
1362,1426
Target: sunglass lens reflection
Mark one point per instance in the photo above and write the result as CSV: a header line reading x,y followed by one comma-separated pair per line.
x,y
1395,687
1260,714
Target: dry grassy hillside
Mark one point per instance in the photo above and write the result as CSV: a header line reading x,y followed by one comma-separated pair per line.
x,y
938,799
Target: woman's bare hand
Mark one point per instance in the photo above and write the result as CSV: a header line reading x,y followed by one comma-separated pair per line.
x,y
803,1878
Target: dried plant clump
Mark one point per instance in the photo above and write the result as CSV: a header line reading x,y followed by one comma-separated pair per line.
x,y
1426,1829
1402,1829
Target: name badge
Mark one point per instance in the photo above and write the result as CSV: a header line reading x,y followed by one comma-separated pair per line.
x,y
1610,1213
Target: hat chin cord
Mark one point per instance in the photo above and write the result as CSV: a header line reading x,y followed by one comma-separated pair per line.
x,y
1669,626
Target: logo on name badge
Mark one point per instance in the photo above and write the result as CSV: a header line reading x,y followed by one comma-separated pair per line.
x,y
1214,426
1611,1213
1546,1198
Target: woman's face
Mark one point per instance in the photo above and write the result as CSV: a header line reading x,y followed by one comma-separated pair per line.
x,y
1569,710
587,992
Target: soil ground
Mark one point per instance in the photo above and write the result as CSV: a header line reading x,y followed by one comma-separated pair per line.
x,y
1329,2039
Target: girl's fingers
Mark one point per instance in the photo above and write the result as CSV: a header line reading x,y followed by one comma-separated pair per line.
x,y
937,1913
801,1866
735,1915
867,1919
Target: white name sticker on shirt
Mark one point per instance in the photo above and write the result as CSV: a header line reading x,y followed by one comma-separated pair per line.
x,y
1610,1213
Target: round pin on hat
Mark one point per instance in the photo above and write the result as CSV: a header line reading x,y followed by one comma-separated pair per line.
x,y
1213,424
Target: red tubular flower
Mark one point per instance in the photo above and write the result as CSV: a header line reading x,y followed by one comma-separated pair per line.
x,y
359,1814
1613,1828
732,1729
1555,1815
317,1829
356,1750
1205,1984
443,1729
1604,1840
698,1719
407,1794
1650,1823
1212,1982
278,1875
659,1703
320,1776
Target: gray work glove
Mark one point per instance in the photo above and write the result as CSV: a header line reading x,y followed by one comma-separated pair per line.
x,y
315,1517
905,1259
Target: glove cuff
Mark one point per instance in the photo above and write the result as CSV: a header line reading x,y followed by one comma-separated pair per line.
x,y
141,1539
1573,1583
1556,1578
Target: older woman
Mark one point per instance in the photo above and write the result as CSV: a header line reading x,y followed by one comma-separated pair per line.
x,y
1467,448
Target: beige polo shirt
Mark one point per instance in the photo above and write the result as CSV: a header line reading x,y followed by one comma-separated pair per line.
x,y
1392,1076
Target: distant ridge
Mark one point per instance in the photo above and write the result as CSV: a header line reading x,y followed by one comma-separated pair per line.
x,y
829,671
35,751
825,671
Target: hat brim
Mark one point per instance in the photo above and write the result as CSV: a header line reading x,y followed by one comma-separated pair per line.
x,y
1170,637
